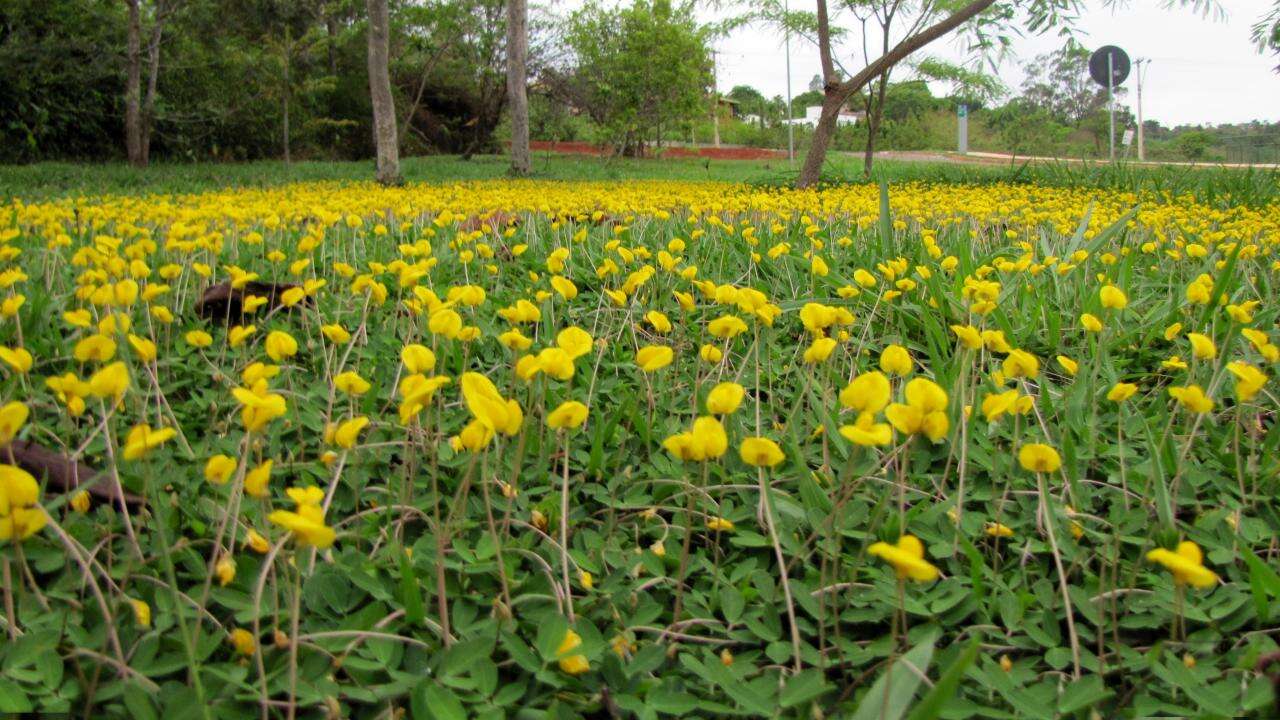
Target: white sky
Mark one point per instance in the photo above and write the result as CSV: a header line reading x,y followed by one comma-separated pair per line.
x,y
1202,70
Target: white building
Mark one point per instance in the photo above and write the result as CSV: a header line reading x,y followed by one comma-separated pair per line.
x,y
814,112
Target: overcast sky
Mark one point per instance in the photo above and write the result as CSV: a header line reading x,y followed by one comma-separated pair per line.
x,y
1202,70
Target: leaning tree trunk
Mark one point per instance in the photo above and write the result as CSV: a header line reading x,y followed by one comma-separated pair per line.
x,y
133,88
384,110
822,134
517,83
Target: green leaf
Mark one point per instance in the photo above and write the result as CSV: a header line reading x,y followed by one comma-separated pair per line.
x,y
670,702
945,689
802,687
1211,701
551,632
138,702
1086,692
893,691
431,701
12,698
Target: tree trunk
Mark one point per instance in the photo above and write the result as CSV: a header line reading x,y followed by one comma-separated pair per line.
x,y
153,79
832,101
835,94
384,109
517,83
133,88
874,113
285,95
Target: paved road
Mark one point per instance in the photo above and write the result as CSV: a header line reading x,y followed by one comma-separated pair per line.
x,y
986,158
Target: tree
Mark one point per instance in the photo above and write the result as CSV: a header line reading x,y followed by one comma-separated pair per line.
x,y
1193,144
1059,83
384,109
636,70
139,113
969,86
751,101
836,92
517,83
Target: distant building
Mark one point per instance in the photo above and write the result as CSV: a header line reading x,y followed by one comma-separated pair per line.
x,y
814,112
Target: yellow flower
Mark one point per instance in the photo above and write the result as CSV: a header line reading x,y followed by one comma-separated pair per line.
x,y
1113,298
280,345
924,412
906,557
1186,563
867,393
1192,398
555,363
719,524
18,359
819,350
895,360
142,439
347,434
969,336
243,641
726,327
710,354
571,664
998,530
997,404
659,322
95,348
760,452
80,501
567,416
1021,364
1249,379
1121,391
564,286
1202,347
219,468
1091,322
198,339
111,382
225,569
1039,458
337,334
256,542
1173,331
867,432
706,441
575,341
20,515
1069,366
141,612
351,383
725,398
417,358
12,417
652,358
306,525
238,334
255,481
489,407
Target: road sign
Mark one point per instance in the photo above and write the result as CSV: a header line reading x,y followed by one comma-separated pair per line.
x,y
1109,60
1127,138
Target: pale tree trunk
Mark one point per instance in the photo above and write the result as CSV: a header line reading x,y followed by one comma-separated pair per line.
x,y
286,94
133,87
153,79
835,94
517,83
384,110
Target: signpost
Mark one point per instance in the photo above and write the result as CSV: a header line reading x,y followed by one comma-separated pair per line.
x,y
1109,67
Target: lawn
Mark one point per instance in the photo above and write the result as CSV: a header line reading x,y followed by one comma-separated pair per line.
x,y
638,438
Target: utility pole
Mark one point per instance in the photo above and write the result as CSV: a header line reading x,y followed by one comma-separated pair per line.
x,y
1142,155
791,126
715,102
